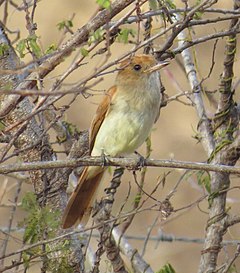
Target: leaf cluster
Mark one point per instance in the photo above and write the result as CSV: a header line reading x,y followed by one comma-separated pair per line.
x,y
42,223
29,45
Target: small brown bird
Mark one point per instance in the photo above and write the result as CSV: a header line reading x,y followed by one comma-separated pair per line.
x,y
122,123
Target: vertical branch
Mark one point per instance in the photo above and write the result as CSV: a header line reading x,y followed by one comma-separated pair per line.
x,y
204,126
30,139
227,153
225,117
217,216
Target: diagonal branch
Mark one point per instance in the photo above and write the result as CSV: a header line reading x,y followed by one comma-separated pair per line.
x,y
50,62
204,125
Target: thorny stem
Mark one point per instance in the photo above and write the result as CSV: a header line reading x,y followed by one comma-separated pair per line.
x,y
102,214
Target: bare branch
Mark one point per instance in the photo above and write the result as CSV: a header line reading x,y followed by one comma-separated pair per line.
x,y
131,163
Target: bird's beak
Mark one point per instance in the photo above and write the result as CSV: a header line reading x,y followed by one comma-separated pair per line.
x,y
156,67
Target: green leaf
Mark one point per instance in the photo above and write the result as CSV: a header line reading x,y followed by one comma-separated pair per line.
x,y
123,36
35,48
204,179
96,36
65,23
198,15
29,43
29,202
170,4
69,23
51,49
84,52
137,198
3,49
167,268
61,25
106,4
21,47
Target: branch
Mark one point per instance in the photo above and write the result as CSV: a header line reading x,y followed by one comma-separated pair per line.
x,y
32,134
226,152
138,264
103,213
204,126
50,62
131,163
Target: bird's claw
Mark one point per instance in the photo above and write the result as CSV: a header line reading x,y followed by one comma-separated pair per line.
x,y
141,161
104,159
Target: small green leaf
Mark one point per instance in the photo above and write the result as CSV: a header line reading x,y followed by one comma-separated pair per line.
x,y
204,179
21,47
137,198
167,268
106,4
84,52
61,25
123,36
65,23
51,49
69,23
29,43
96,36
170,4
35,48
3,49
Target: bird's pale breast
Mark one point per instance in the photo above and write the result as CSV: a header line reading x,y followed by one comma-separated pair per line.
x,y
128,122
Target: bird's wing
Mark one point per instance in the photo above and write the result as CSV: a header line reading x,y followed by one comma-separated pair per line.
x,y
101,113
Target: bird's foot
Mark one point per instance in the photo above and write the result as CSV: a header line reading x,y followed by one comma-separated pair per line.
x,y
141,161
104,159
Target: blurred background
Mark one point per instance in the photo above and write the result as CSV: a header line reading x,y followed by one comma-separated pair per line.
x,y
172,138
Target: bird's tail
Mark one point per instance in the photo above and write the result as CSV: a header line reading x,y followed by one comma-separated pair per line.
x,y
79,205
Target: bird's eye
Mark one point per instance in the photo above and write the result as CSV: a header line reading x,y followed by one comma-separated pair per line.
x,y
137,67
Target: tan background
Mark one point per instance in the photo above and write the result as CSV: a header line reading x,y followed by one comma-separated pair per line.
x,y
172,137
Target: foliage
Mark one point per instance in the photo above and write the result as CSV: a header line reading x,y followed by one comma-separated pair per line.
x,y
65,24
125,33
106,4
29,45
204,179
3,49
42,223
51,49
84,52
167,268
96,36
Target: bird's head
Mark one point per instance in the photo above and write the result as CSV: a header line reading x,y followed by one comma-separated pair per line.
x,y
138,68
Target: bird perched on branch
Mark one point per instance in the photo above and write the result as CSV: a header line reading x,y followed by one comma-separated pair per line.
x,y
122,123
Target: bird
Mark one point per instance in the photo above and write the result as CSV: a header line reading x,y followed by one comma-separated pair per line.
x,y
123,121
